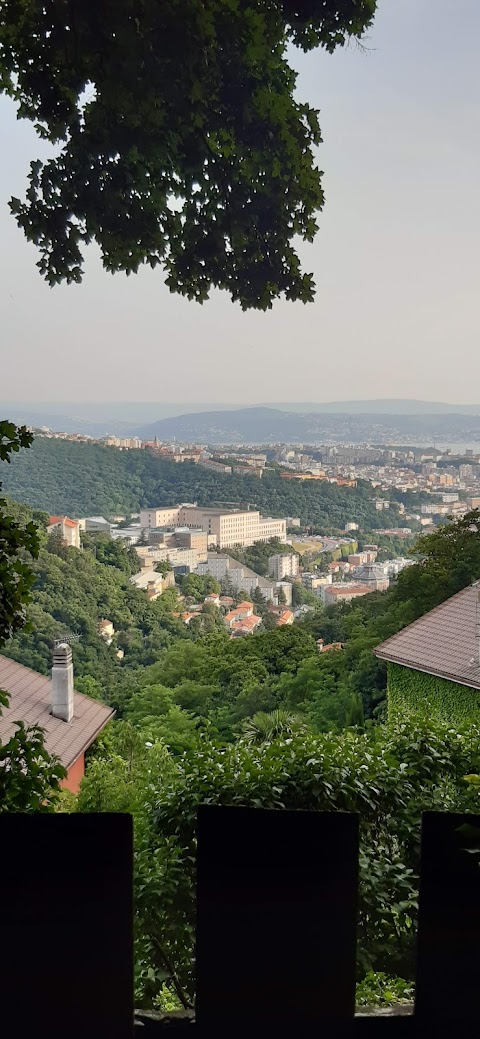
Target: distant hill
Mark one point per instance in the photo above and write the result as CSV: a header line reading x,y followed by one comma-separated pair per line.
x,y
270,425
128,418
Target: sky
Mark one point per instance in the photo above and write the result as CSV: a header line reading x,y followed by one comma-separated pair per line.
x,y
396,259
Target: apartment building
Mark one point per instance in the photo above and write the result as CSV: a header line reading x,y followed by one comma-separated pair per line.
x,y
271,528
162,517
215,467
152,583
243,578
70,530
150,555
127,443
229,527
95,525
344,593
282,566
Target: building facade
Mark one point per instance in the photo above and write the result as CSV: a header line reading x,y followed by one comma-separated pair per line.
x,y
70,530
229,527
282,566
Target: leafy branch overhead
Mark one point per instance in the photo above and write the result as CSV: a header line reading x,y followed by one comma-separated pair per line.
x,y
182,143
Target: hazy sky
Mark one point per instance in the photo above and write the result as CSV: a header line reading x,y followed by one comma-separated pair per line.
x,y
396,260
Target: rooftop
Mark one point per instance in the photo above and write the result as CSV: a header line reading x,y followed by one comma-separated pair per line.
x,y
62,519
30,702
443,642
347,589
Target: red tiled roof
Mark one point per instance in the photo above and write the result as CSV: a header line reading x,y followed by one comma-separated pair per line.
x,y
30,701
63,519
246,623
341,590
443,642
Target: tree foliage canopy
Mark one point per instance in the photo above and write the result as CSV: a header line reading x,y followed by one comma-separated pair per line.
x,y
182,143
81,479
29,776
17,543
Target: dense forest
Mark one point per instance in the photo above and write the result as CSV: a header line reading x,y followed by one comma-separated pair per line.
x,y
76,479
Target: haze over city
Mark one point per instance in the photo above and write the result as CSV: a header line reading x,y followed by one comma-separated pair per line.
x,y
395,261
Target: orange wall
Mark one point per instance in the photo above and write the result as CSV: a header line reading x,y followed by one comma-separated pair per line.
x,y
74,776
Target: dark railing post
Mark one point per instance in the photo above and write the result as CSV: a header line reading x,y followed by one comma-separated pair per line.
x,y
67,938
448,963
276,921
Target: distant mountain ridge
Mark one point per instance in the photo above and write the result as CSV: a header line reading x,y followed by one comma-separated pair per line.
x,y
261,421
270,425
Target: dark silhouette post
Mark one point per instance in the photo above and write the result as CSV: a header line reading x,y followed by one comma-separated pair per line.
x,y
277,894
67,935
448,963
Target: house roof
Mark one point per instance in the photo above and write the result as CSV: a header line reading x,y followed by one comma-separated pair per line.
x,y
247,624
345,589
30,702
443,642
62,519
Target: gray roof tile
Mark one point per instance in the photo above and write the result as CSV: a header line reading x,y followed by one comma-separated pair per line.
x,y
443,642
30,700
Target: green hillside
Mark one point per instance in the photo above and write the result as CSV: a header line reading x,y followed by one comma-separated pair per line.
x,y
84,479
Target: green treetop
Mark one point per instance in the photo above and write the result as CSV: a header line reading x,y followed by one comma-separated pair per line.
x,y
180,139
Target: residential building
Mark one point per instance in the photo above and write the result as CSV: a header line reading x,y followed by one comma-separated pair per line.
x,y
195,539
433,665
392,567
286,586
127,443
241,620
216,467
152,583
130,535
345,592
283,615
161,517
281,566
107,631
248,470
329,646
350,526
70,721
316,582
473,502
70,530
222,567
95,525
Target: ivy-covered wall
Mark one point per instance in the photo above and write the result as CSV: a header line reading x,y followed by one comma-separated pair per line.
x,y
409,690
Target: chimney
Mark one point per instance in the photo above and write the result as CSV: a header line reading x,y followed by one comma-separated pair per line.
x,y
62,682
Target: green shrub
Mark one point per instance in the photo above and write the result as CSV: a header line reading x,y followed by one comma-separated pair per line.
x,y
378,989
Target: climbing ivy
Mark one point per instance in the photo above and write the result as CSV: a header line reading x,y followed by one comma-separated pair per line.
x,y
409,690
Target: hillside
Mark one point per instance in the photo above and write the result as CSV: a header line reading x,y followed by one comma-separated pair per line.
x,y
84,479
270,425
128,417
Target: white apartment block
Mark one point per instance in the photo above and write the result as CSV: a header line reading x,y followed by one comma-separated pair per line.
x,y
281,566
230,528
242,578
167,517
